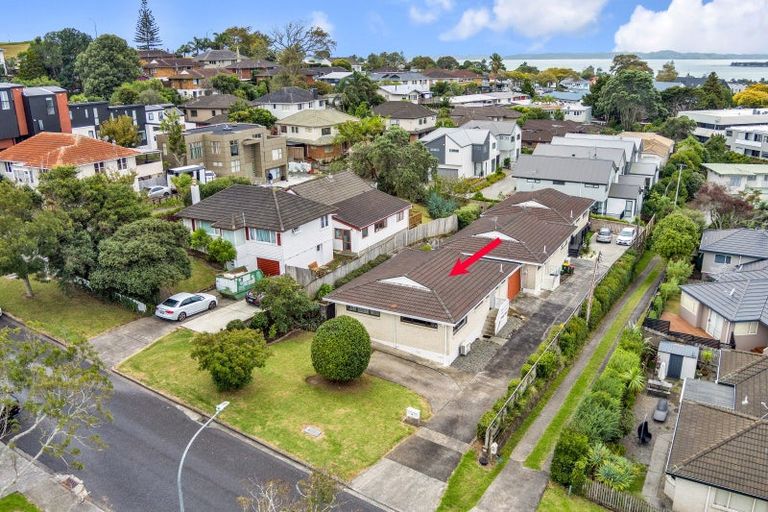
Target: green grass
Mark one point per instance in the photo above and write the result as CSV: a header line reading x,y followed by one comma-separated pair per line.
x,y
203,276
74,317
12,50
423,210
643,261
360,422
580,388
639,481
557,499
16,502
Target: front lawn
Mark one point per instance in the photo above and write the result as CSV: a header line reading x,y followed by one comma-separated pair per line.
x,y
68,317
203,276
16,502
557,499
360,422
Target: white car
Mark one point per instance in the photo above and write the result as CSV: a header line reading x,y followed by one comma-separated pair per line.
x,y
626,237
180,306
159,191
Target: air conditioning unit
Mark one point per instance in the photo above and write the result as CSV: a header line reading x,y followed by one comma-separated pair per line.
x,y
464,348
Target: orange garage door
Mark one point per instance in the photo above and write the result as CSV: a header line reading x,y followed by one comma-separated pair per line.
x,y
513,285
268,267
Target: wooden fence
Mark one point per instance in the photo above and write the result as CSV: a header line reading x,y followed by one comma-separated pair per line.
x,y
616,500
433,229
663,328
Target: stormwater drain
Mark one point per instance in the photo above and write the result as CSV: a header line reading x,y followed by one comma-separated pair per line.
x,y
312,431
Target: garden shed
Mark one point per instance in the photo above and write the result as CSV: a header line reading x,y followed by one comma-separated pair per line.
x,y
678,360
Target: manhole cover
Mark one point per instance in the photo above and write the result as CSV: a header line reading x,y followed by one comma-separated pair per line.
x,y
313,431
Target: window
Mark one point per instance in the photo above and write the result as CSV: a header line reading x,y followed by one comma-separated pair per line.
x,y
234,148
263,235
195,150
283,129
319,247
629,208
206,226
382,224
8,167
416,321
40,125
294,129
734,502
533,180
453,150
213,113
193,113
400,216
458,326
590,185
338,234
235,166
363,311
735,181
277,154
98,167
365,232
558,182
5,101
324,221
49,106
752,178
150,116
122,164
723,258
745,328
215,147
325,131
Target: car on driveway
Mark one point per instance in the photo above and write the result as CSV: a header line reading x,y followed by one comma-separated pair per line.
x,y
661,411
604,235
180,306
626,236
159,192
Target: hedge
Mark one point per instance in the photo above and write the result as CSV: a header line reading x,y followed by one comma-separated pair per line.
x,y
360,271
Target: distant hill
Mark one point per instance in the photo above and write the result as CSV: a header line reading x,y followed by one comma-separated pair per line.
x,y
12,50
664,54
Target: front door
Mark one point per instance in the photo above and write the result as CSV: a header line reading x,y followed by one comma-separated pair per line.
x,y
714,325
344,239
675,366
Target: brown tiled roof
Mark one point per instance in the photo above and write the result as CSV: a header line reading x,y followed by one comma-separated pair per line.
x,y
48,149
719,447
402,110
333,188
171,62
542,130
436,296
258,207
733,360
751,382
560,206
191,74
216,101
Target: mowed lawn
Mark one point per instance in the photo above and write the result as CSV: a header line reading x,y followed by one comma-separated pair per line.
x,y
556,499
203,276
68,317
16,502
360,422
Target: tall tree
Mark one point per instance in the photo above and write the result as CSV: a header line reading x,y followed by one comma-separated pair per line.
x,y
364,130
630,97
105,64
304,39
245,41
177,147
422,62
667,73
714,94
588,72
342,63
31,61
120,130
676,99
528,69
447,62
726,210
147,32
144,92
225,83
675,237
629,61
389,60
677,128
242,112
356,89
755,95
497,63
29,235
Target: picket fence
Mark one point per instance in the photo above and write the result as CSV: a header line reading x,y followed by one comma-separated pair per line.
x,y
616,500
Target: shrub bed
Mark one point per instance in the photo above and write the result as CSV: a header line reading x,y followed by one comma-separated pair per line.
x,y
360,271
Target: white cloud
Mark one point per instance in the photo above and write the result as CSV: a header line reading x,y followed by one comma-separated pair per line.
x,y
541,19
430,13
320,19
738,26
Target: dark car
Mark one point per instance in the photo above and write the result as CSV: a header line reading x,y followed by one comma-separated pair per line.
x,y
661,411
253,298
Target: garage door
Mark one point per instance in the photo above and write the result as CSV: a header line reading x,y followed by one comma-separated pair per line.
x,y
513,285
268,267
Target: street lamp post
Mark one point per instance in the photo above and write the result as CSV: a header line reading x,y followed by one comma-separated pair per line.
x,y
219,408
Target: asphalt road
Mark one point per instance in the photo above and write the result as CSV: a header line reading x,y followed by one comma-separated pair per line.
x,y
137,470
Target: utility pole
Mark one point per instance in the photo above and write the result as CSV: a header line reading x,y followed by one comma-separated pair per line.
x,y
679,175
592,286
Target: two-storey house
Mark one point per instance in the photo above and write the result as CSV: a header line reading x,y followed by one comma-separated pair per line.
x,y
289,100
195,82
740,178
723,250
205,107
311,134
217,59
463,152
508,135
417,120
269,227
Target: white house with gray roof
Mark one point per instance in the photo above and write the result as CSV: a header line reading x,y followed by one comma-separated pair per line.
x,y
289,100
405,92
463,152
740,178
507,133
722,250
617,155
630,147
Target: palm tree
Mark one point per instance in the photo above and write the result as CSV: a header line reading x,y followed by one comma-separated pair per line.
x,y
635,380
497,63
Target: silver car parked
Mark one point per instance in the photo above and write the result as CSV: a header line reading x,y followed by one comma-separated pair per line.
x,y
159,192
604,235
180,306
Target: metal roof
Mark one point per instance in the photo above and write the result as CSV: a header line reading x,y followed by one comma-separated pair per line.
x,y
708,392
670,347
739,241
566,169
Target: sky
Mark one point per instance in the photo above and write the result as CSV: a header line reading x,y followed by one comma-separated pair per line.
x,y
463,28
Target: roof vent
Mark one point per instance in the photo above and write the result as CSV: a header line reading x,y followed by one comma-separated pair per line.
x,y
733,290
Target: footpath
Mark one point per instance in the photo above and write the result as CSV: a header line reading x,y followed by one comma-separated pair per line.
x,y
521,488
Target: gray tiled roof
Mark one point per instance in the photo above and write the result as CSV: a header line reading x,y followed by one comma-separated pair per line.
x,y
624,191
333,189
708,392
286,95
495,127
752,270
562,168
402,110
733,360
737,301
259,207
212,101
739,241
614,154
216,55
439,298
670,347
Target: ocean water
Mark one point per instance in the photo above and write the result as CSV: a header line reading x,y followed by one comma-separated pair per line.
x,y
693,67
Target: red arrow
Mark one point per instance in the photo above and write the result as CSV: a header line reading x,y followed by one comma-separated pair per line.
x,y
462,267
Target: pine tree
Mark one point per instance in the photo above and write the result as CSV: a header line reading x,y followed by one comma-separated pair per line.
x,y
147,32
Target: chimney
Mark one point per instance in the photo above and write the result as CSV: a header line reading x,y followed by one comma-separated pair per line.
x,y
194,191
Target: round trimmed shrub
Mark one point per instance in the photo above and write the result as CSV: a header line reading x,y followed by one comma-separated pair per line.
x,y
341,349
234,325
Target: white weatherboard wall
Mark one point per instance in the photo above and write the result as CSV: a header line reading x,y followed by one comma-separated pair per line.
x,y
414,125
689,496
30,176
360,244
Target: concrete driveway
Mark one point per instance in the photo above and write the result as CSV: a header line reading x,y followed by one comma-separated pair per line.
x,y
216,320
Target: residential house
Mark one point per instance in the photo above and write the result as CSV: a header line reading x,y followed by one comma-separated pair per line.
x,y
508,135
509,98
402,78
147,55
355,62
154,118
249,69
653,145
234,149
537,131
412,303
718,122
740,178
748,140
311,133
587,178
718,457
721,250
217,59
462,115
459,76
648,170
26,111
364,217
400,92
24,162
205,107
463,152
311,74
86,117
138,115
632,146
269,227
474,100
164,67
616,155
415,119
625,197
194,83
289,100
577,112
335,77
3,67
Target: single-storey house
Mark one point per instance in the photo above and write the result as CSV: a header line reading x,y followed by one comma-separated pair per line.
x,y
401,92
723,249
463,152
311,133
415,119
739,178
718,458
364,216
413,304
269,227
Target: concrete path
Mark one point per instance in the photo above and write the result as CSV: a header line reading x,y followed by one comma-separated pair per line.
x,y
531,488
216,320
654,478
504,187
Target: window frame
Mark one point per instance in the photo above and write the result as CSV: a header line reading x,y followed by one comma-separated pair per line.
x,y
725,259
418,322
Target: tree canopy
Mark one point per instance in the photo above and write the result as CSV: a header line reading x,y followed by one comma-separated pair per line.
x,y
422,62
357,89
714,94
675,237
53,57
107,63
286,304
363,130
147,32
447,62
755,95
629,96
144,92
667,73
120,130
242,112
230,356
629,62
